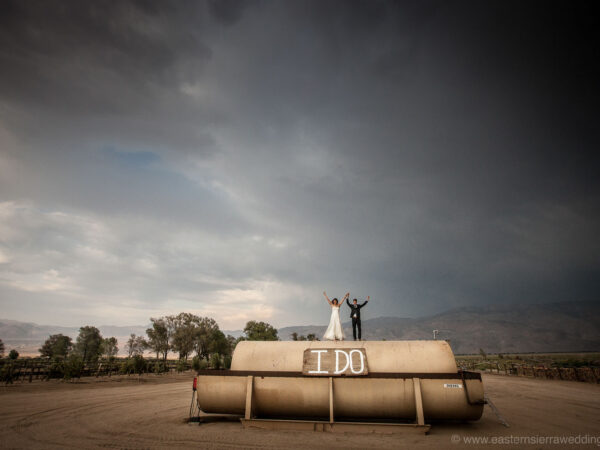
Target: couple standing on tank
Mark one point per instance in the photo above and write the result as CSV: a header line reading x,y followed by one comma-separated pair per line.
x,y
334,330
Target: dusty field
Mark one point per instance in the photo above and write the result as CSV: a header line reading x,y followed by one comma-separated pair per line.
x,y
152,413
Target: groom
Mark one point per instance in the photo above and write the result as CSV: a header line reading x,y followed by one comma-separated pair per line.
x,y
355,315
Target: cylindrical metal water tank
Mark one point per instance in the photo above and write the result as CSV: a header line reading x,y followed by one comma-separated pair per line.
x,y
280,390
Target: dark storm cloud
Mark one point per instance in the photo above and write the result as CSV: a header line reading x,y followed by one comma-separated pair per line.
x,y
57,54
228,12
431,154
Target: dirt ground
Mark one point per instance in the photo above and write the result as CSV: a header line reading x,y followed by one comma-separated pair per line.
x,y
152,413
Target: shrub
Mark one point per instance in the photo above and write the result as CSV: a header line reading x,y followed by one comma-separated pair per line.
x,y
112,364
73,367
7,373
136,364
13,354
199,363
182,365
124,367
196,363
139,364
160,367
56,369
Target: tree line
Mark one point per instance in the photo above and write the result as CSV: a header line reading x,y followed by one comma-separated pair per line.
x,y
300,337
187,334
184,334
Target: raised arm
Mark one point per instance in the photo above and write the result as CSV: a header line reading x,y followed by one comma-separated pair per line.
x,y
366,301
326,298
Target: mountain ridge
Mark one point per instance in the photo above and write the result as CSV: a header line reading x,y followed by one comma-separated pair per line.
x,y
539,327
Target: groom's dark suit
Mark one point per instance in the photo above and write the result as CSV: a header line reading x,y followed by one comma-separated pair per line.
x,y
355,315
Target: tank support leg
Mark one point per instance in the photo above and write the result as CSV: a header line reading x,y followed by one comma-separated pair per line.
x,y
498,415
418,401
330,399
249,407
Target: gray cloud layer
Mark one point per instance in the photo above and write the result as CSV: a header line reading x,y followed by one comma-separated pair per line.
x,y
237,158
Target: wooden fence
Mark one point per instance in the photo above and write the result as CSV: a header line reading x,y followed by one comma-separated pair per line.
x,y
585,374
27,370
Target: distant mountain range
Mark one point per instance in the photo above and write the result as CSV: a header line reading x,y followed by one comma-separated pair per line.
x,y
551,327
27,337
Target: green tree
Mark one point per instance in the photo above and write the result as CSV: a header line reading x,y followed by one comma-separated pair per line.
x,y
294,336
56,346
158,337
13,354
1,348
135,345
207,336
89,344
183,339
186,333
215,361
220,344
311,337
232,342
172,323
109,347
260,331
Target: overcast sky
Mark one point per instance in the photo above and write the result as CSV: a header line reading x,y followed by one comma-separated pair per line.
x,y
234,159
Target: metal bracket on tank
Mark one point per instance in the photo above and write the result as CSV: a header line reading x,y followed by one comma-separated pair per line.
x,y
476,402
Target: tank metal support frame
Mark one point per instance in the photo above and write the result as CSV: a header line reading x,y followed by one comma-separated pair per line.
x,y
250,421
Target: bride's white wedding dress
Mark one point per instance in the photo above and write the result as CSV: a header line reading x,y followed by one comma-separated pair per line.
x,y
334,330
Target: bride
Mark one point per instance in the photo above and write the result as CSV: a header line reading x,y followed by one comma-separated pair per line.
x,y
334,330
